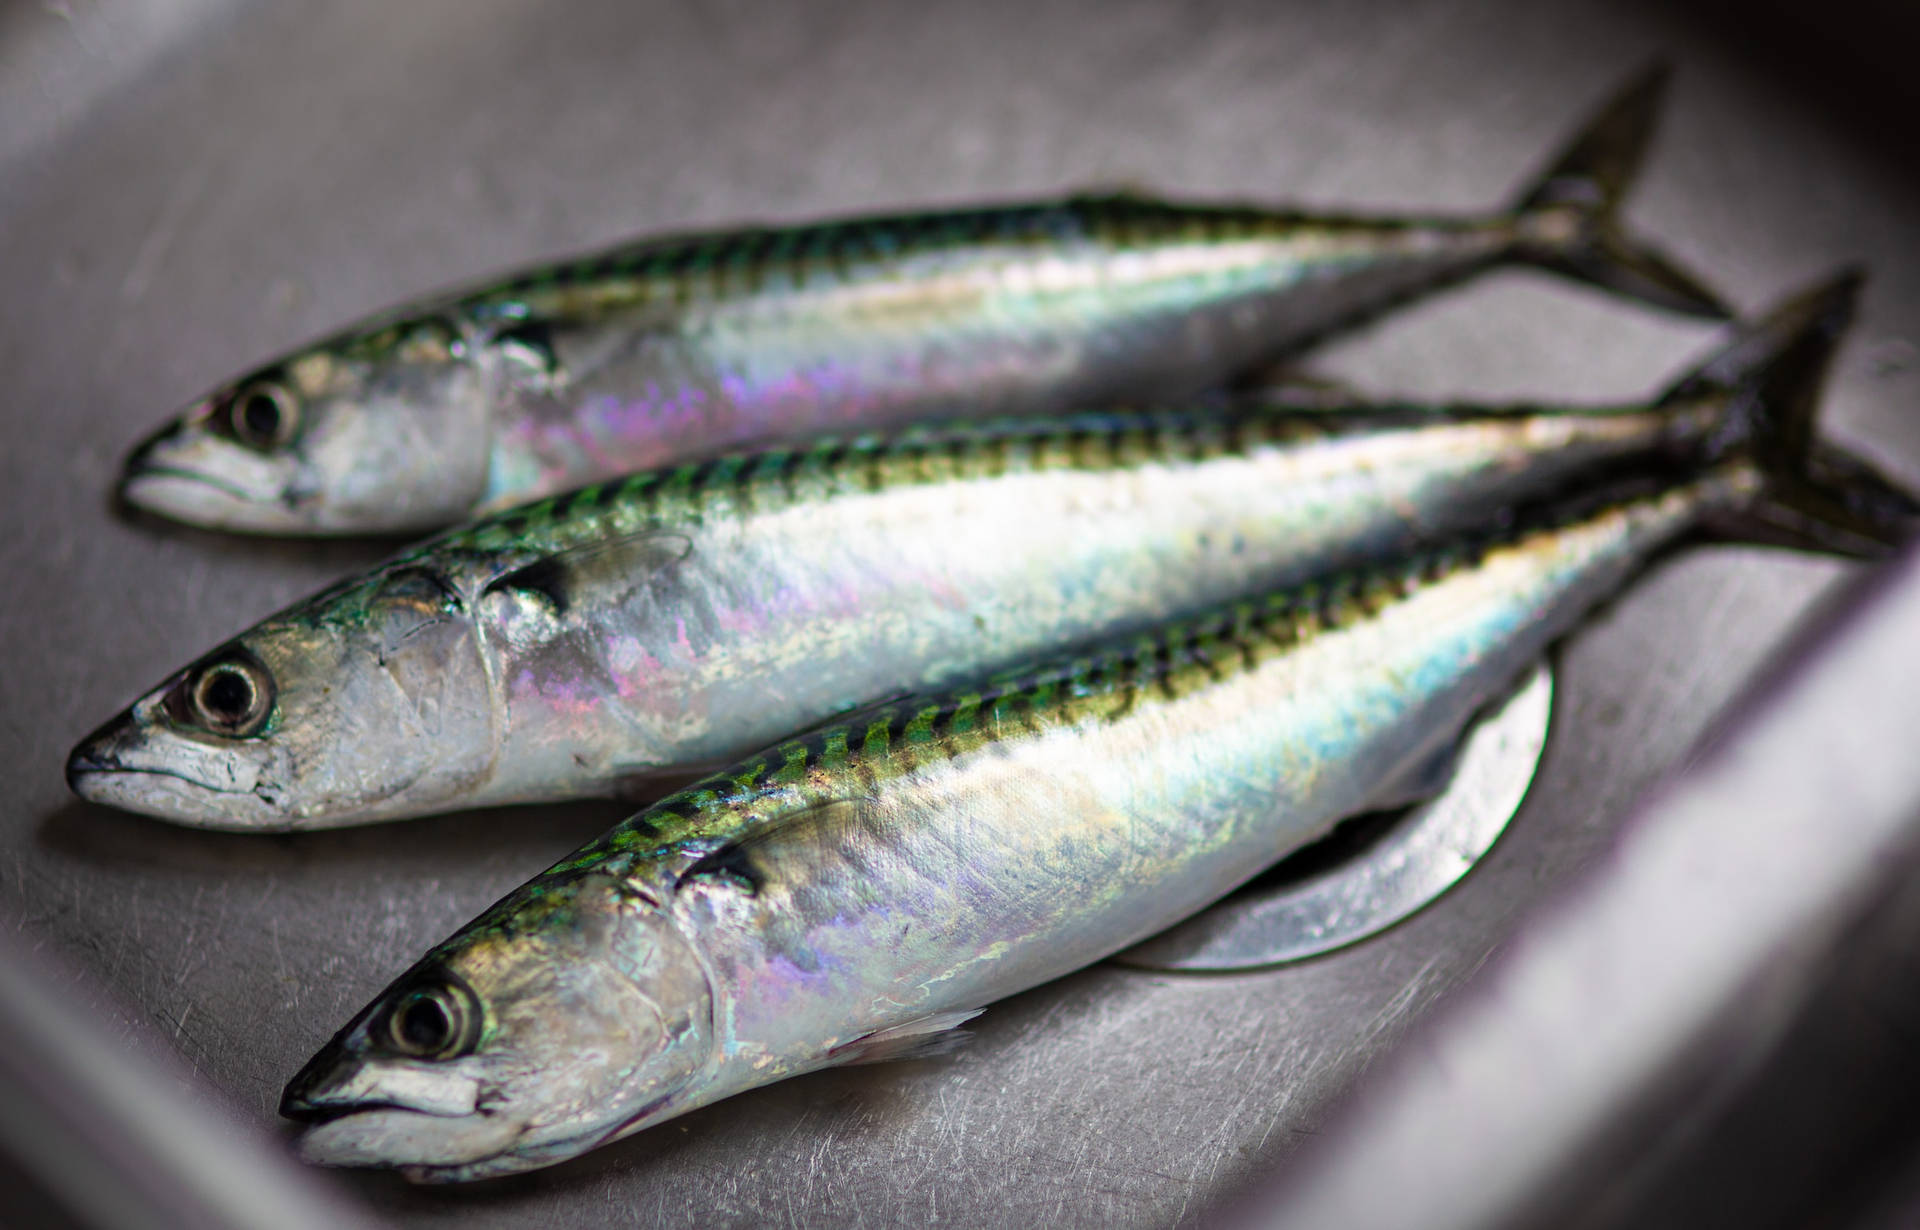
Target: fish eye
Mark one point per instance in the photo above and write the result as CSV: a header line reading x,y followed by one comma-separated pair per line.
x,y
230,697
435,1021
263,415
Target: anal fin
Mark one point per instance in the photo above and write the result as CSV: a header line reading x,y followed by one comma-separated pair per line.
x,y
926,1037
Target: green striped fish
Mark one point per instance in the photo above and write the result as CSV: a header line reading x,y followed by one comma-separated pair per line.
x,y
669,349
856,893
677,619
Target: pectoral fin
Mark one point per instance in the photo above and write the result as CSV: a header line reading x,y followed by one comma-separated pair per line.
x,y
746,861
611,569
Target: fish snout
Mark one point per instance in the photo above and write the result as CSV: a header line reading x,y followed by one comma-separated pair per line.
x,y
136,763
82,762
318,1091
100,754
152,452
188,472
341,1081
174,451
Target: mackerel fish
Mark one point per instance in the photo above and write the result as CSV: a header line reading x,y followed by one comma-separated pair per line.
x,y
857,892
672,621
673,349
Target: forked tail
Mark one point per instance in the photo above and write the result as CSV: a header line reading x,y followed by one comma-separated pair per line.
x,y
1569,217
1818,496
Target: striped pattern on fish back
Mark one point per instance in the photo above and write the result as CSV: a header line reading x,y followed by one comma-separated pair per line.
x,y
858,755
745,482
861,754
722,264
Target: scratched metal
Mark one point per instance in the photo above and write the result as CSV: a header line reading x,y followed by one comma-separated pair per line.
x,y
189,185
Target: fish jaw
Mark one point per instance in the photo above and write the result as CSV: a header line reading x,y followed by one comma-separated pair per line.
x,y
166,795
335,1082
422,1142
205,500
379,434
129,765
374,1138
187,472
393,1114
435,1149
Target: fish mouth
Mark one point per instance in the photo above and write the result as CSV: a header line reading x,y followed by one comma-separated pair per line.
x,y
171,795
142,473
320,1109
425,1147
95,759
86,771
356,1116
337,1082
302,1111
166,456
198,498
185,474
113,767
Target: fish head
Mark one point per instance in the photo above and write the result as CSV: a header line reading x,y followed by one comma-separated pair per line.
x,y
381,431
368,702
565,1017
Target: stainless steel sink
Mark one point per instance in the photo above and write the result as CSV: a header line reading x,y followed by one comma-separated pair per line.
x,y
188,187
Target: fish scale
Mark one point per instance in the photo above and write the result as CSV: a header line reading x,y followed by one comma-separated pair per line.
x,y
870,753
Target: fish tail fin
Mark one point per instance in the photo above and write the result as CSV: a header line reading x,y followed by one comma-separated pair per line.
x,y
1815,495
1568,218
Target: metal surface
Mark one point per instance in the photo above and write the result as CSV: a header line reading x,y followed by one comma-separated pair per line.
x,y
1621,1027
177,201
1422,854
117,1132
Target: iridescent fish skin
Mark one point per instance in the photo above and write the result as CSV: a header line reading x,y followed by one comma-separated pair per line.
x,y
683,348
680,618
857,891
687,616
852,892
